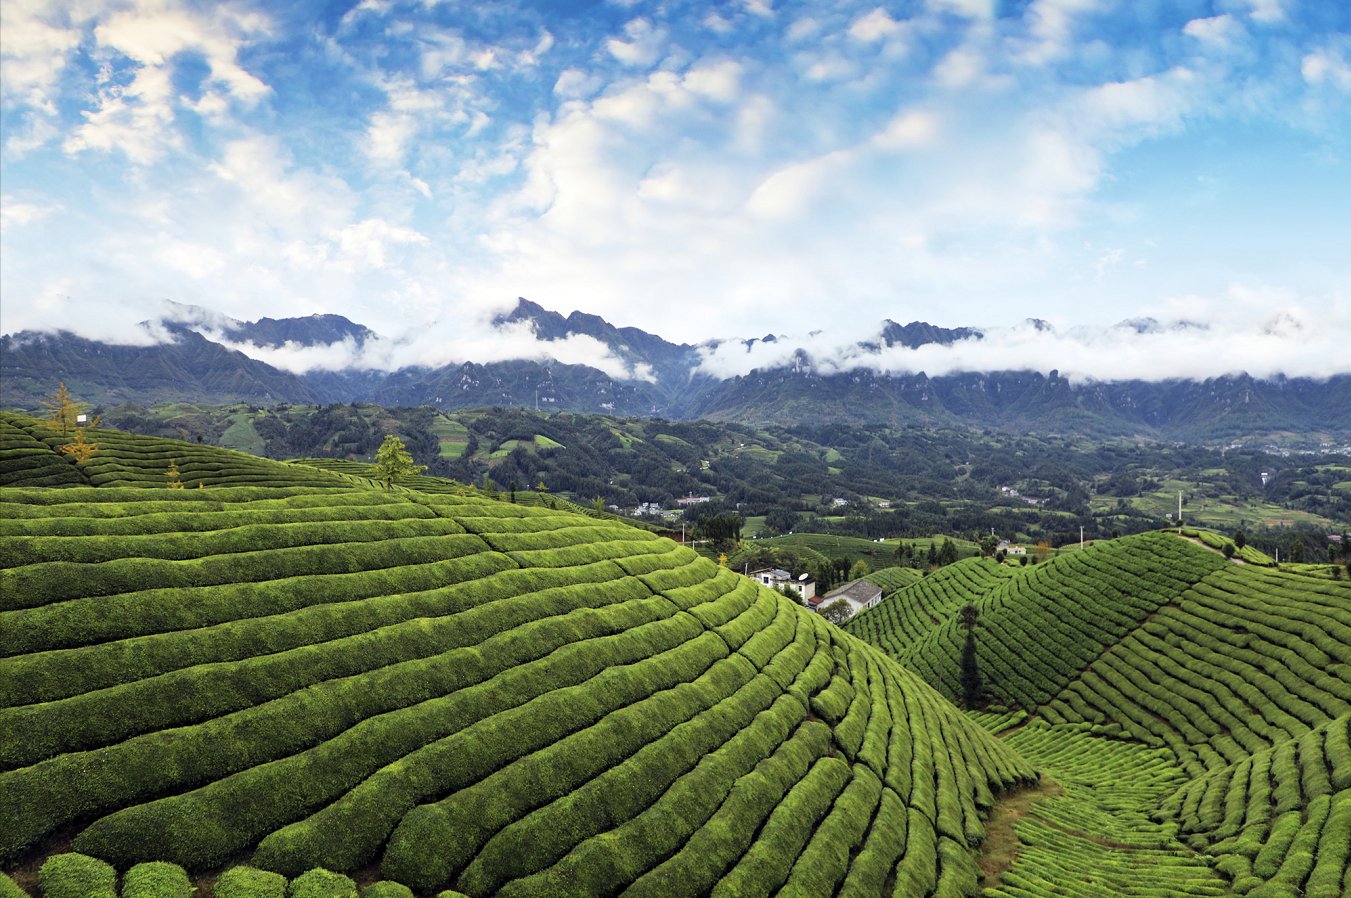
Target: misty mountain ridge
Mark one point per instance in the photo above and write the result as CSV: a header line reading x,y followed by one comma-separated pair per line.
x,y
196,354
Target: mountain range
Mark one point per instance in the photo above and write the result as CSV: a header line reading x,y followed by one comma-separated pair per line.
x,y
196,357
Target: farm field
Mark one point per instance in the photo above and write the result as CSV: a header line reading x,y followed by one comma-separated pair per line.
x,y
1219,691
445,691
1211,507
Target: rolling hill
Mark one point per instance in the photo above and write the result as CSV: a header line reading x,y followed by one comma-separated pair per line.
x,y
1222,689
444,690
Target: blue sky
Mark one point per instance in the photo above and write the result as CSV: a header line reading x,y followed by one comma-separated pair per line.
x,y
696,169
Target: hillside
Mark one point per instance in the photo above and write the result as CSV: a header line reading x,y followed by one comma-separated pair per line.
x,y
1232,681
454,690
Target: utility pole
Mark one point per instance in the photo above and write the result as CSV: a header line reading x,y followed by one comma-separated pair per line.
x,y
1179,511
1081,537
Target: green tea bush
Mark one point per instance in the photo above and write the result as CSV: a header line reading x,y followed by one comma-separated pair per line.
x,y
249,882
10,889
156,879
76,876
387,889
320,883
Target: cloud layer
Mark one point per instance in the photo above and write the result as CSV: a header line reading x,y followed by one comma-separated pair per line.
x,y
1251,335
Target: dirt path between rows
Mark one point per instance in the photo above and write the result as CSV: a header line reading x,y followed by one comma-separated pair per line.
x,y
1001,846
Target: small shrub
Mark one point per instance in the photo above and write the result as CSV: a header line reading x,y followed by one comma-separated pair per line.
x,y
321,883
156,879
77,876
387,889
248,882
9,890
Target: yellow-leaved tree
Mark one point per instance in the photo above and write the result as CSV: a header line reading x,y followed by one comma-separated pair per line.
x,y
65,408
66,414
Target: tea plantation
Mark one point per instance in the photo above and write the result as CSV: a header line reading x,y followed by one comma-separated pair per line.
x,y
287,681
1192,712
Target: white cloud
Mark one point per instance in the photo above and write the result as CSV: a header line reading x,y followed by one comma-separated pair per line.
x,y
1327,66
575,84
370,242
960,68
874,26
137,118
1222,30
193,259
1245,332
1050,29
407,111
285,198
16,214
717,24
38,39
720,81
1107,261
802,29
153,32
644,44
1267,10
440,344
912,128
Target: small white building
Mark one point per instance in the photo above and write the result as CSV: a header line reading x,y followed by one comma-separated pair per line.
x,y
858,595
776,577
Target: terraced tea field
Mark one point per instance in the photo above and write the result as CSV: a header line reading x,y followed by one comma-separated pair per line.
x,y
447,692
289,671
1183,704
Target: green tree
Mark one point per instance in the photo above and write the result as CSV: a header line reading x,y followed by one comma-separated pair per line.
x,y
1240,539
1229,550
781,520
970,672
392,462
948,554
837,612
1297,550
859,570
